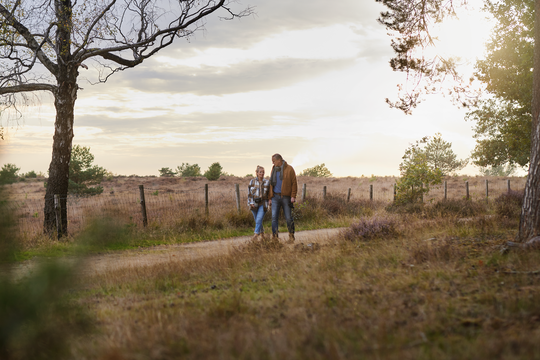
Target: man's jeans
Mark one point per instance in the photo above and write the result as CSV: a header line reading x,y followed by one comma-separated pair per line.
x,y
279,202
258,215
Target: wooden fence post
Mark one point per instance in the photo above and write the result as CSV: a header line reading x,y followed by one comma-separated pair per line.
x,y
371,192
445,190
237,191
143,206
303,192
206,209
58,214
349,195
422,192
395,192
467,190
487,189
324,192
508,185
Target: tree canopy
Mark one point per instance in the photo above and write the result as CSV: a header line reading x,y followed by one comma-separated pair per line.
x,y
503,117
409,21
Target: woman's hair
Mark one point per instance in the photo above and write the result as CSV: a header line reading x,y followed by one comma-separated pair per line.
x,y
258,168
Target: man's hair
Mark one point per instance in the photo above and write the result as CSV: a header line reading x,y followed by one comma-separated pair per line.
x,y
277,157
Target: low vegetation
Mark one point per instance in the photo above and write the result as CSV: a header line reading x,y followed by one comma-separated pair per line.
x,y
417,281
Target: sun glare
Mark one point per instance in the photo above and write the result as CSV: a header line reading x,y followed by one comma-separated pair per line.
x,y
463,37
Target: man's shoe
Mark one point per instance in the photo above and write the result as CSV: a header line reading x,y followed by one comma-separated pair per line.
x,y
291,238
275,236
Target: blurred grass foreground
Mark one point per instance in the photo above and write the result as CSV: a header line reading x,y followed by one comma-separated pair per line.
x,y
418,281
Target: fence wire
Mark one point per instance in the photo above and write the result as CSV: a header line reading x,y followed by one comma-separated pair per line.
x,y
168,207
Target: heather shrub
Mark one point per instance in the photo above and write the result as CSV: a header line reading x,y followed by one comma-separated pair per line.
x,y
461,208
332,206
416,208
371,228
309,210
242,219
508,205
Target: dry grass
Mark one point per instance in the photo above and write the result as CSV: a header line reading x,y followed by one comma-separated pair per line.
x,y
436,288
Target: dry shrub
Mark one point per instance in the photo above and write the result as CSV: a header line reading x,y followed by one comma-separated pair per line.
x,y
266,243
242,219
508,205
436,251
461,208
416,208
371,228
318,208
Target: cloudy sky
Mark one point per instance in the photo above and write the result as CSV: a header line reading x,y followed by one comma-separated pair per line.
x,y
300,78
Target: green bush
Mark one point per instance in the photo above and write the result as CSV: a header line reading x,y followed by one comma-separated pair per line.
x,y
9,174
186,170
317,171
417,175
30,175
214,172
166,172
82,173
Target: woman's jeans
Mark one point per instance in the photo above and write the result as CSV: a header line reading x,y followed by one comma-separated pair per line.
x,y
284,202
258,215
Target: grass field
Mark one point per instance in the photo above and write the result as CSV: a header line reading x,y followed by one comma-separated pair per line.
x,y
407,284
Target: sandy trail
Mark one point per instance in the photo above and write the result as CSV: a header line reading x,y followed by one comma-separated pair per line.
x,y
100,263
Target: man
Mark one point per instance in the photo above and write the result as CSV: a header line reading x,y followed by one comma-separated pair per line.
x,y
282,194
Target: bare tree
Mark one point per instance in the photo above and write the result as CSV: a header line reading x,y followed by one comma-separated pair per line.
x,y
44,43
410,21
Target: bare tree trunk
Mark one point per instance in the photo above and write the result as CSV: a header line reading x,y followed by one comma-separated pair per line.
x,y
529,224
64,102
61,154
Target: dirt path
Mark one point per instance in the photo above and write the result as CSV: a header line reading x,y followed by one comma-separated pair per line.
x,y
96,264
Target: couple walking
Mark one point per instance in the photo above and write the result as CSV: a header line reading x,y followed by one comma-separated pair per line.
x,y
277,192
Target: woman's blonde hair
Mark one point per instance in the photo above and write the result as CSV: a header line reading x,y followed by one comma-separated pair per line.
x,y
258,168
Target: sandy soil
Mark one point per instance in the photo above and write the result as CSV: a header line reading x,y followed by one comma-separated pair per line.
x,y
100,263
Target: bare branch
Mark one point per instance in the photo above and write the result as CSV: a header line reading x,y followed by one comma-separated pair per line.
x,y
31,41
27,88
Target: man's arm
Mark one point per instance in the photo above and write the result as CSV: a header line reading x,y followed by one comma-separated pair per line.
x,y
294,186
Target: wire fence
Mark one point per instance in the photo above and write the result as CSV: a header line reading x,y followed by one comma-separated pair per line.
x,y
167,207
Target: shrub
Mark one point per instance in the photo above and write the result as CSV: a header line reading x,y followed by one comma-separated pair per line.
x,y
417,174
31,175
166,172
244,219
371,228
462,208
186,170
508,205
406,208
82,173
317,171
9,174
214,172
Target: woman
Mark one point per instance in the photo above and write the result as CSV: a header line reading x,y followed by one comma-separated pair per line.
x,y
258,199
